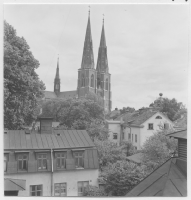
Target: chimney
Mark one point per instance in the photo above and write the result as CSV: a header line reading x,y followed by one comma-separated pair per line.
x,y
45,125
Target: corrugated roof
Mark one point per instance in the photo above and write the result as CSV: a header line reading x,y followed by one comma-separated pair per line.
x,y
136,117
14,184
137,158
49,95
67,94
17,139
179,134
167,180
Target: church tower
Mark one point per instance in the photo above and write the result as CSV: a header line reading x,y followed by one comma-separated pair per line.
x,y
103,75
57,80
87,75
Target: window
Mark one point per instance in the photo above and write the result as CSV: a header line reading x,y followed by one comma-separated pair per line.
x,y
135,137
83,80
150,127
132,137
22,162
61,160
166,126
42,161
5,162
36,190
115,136
129,136
92,80
106,84
81,187
79,161
60,189
158,117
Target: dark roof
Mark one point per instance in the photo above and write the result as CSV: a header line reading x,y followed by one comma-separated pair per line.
x,y
67,94
17,139
179,134
49,95
14,184
136,117
167,180
137,158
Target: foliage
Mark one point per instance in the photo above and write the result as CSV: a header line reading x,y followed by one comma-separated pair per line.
x,y
171,107
108,152
121,176
158,148
93,191
96,98
126,109
128,148
22,87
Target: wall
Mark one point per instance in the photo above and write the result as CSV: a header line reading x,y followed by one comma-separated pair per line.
x,y
114,127
145,132
70,177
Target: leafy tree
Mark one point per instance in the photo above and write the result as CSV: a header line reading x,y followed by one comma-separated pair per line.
x,y
171,107
121,176
96,98
158,148
126,109
22,87
108,152
128,148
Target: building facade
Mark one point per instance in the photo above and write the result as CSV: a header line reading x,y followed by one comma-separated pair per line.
x,y
137,127
50,162
91,80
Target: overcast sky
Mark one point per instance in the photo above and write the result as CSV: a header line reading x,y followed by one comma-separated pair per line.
x,y
147,46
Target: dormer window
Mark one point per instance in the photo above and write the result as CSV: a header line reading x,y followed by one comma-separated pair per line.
x,y
158,117
22,162
79,159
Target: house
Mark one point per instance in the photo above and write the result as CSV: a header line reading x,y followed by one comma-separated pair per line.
x,y
50,162
168,180
137,126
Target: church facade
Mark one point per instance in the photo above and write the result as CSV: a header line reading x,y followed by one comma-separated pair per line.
x,y
90,79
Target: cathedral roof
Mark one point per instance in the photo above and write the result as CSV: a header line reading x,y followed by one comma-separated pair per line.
x,y
50,95
67,94
88,56
102,62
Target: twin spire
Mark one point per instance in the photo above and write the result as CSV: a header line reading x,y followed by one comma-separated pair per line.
x,y
88,56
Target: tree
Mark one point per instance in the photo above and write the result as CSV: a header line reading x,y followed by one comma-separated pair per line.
x,y
171,107
93,191
126,109
128,148
121,176
109,152
158,148
73,113
22,87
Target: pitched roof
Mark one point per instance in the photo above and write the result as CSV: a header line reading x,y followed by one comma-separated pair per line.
x,y
167,180
67,94
14,184
50,95
17,139
136,117
179,134
137,158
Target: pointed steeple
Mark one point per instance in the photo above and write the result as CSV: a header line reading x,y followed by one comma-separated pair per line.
x,y
57,80
102,62
88,56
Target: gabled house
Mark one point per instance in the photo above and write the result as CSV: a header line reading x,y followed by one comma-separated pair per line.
x,y
50,162
170,179
137,126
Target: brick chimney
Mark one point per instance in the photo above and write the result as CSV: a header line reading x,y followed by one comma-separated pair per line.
x,y
46,125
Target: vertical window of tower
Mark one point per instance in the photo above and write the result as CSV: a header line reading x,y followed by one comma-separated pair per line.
x,y
106,84
83,80
92,80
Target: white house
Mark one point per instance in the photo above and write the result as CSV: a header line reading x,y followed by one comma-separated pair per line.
x,y
137,126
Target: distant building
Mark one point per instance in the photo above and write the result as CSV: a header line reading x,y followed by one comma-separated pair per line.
x,y
90,80
49,162
137,126
170,179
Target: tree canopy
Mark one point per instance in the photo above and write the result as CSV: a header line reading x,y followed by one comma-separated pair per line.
x,y
171,107
22,87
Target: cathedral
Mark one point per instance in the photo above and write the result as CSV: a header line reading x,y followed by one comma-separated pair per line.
x,y
90,80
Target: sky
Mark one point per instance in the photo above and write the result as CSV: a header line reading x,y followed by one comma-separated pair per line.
x,y
147,46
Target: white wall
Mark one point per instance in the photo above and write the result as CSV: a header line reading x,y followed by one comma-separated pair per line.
x,y
114,127
69,177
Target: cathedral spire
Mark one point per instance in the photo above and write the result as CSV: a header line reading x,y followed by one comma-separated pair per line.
x,y
88,56
102,62
57,80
